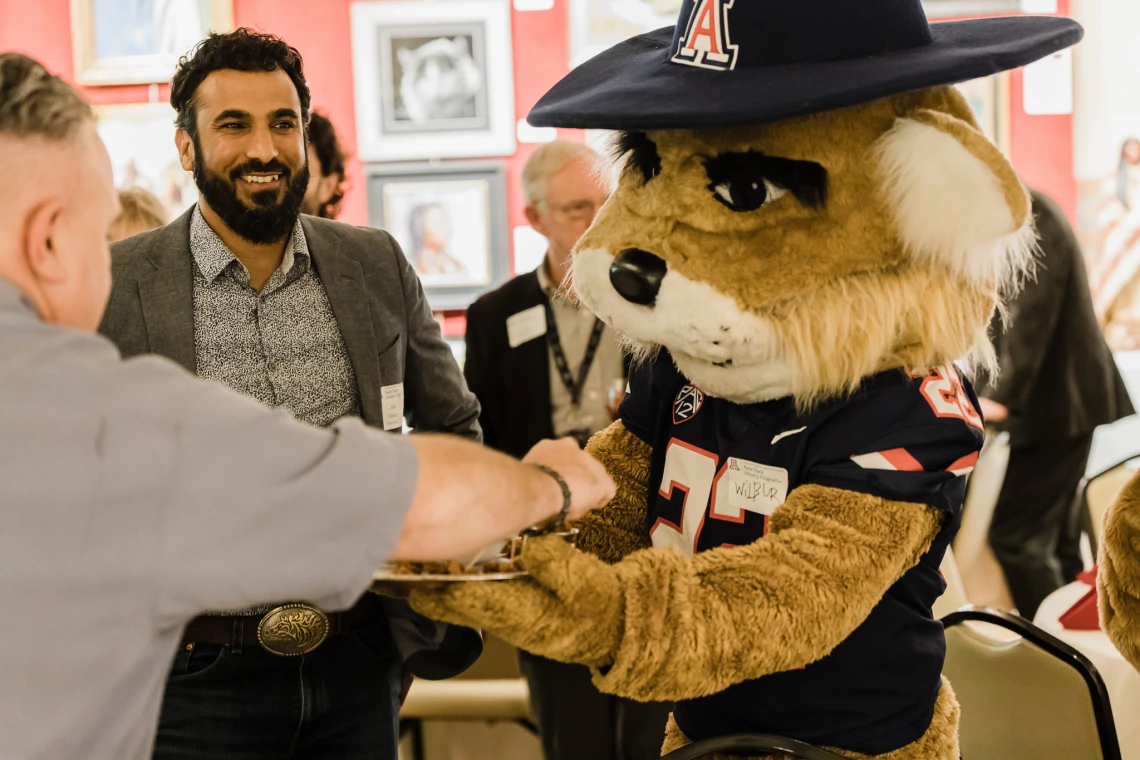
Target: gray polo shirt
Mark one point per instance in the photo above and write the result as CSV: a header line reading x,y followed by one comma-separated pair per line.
x,y
132,497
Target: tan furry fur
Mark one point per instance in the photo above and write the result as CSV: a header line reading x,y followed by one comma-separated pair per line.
x,y
619,529
1118,580
940,742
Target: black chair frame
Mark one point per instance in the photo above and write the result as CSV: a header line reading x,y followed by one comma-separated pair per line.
x,y
1102,706
750,745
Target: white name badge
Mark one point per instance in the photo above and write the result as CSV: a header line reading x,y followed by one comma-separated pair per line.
x,y
756,487
526,325
392,406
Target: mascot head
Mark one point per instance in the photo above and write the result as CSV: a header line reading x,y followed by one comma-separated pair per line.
x,y
803,199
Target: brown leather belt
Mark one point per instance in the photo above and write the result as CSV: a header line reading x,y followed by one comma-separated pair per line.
x,y
288,630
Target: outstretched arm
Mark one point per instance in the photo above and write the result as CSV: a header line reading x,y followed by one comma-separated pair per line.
x,y
619,529
659,626
1118,580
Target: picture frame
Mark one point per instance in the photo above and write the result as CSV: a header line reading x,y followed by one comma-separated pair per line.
x,y
140,41
989,100
140,141
451,222
434,79
599,24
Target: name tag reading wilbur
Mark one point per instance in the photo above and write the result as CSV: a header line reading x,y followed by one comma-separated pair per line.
x,y
756,487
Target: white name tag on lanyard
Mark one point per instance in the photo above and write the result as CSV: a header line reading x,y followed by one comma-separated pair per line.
x,y
756,487
526,325
392,406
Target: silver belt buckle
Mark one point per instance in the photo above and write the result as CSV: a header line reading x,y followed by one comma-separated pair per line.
x,y
292,629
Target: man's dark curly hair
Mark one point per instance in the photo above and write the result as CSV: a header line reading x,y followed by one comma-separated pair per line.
x,y
322,136
240,50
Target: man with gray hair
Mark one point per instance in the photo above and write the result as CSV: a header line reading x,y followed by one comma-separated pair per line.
x,y
111,539
543,365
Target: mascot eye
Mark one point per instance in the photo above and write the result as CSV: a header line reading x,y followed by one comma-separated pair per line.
x,y
746,194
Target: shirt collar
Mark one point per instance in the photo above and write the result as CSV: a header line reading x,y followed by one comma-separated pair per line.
x,y
13,299
212,256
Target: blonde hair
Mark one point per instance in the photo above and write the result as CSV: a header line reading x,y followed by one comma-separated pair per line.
x,y
547,159
141,211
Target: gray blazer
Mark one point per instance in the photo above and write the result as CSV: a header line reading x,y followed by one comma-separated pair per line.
x,y
388,331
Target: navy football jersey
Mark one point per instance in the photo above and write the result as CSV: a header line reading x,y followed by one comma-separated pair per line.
x,y
720,469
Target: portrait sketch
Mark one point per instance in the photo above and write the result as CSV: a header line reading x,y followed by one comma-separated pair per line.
x,y
140,141
433,78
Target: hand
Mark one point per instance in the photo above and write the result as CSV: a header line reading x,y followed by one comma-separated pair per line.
x,y
570,609
590,484
993,411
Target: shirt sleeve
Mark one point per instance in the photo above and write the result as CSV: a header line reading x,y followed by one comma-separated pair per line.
x,y
895,446
258,507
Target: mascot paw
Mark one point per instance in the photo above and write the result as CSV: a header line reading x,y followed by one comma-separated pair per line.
x,y
570,609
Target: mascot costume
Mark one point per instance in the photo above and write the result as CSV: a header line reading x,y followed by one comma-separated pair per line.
x,y
1118,581
809,230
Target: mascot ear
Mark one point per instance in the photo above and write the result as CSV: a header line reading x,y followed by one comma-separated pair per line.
x,y
955,199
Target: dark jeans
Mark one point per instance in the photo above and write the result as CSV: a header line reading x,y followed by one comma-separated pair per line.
x,y
578,722
1035,533
338,702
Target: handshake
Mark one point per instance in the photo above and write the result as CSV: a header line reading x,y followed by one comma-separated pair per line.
x,y
468,496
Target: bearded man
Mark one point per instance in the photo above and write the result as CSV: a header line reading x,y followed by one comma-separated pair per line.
x,y
324,319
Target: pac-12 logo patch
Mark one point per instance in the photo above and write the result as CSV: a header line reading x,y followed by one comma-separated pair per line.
x,y
706,42
688,402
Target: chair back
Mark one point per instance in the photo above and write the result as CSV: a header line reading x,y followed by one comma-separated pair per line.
x,y
1100,492
1024,693
955,594
749,745
981,499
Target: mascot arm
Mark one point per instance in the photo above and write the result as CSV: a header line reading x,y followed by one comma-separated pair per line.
x,y
695,626
618,529
1118,580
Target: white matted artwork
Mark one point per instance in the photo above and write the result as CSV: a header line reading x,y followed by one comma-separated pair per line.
x,y
598,24
140,41
140,141
450,222
433,79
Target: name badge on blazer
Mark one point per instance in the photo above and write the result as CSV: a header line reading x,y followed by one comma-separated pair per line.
x,y
526,325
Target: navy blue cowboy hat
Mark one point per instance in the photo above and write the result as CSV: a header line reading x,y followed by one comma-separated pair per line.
x,y
730,62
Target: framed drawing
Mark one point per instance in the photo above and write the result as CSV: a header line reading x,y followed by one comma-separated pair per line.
x,y
433,79
598,24
140,140
989,100
450,221
140,41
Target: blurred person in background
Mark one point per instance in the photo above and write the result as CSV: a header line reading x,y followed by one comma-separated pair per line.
x,y
140,210
323,319
542,365
327,173
135,496
1057,382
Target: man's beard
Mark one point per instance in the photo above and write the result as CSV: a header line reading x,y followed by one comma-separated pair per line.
x,y
268,221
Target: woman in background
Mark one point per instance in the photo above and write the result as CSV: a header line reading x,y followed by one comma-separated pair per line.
x,y
140,211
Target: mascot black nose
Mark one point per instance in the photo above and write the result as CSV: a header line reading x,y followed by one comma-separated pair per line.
x,y
637,275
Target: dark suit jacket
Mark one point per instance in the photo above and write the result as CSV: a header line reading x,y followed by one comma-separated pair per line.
x,y
387,325
512,384
1058,377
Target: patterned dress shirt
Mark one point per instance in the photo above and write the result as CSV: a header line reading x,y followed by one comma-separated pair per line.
x,y
281,346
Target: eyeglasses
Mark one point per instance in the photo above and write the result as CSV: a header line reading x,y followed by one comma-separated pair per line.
x,y
576,209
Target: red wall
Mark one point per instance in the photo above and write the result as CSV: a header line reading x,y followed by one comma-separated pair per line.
x,y
1042,146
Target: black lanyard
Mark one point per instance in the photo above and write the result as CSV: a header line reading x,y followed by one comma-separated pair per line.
x,y
572,386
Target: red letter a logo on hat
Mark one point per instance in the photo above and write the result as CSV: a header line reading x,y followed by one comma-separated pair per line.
x,y
706,42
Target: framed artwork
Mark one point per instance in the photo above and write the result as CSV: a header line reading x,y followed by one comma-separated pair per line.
x,y
598,24
450,221
989,100
140,41
140,140
433,79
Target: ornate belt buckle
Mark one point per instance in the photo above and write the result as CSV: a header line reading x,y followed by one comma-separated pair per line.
x,y
292,629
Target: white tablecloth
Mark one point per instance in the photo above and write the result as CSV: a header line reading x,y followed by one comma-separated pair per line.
x,y
1121,679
